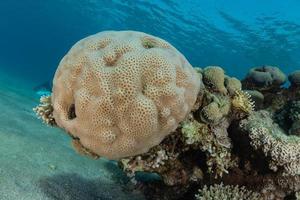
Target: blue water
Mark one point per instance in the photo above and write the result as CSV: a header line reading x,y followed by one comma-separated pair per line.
x,y
237,34
38,162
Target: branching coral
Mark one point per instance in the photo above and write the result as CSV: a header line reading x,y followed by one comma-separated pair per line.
x,y
161,159
44,110
265,135
218,155
193,130
228,192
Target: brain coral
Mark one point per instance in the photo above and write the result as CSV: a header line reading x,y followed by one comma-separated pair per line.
x,y
120,93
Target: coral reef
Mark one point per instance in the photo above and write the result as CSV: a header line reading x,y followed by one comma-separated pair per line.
x,y
281,149
119,93
228,192
214,142
44,110
229,139
133,97
203,133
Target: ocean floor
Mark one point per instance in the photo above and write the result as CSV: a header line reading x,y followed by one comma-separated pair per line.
x,y
38,163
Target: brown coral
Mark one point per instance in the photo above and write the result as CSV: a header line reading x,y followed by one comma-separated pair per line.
x,y
121,93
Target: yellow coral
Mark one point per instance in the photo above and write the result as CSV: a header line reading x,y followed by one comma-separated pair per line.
x,y
44,110
241,101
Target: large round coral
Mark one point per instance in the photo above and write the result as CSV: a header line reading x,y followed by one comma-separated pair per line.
x,y
120,93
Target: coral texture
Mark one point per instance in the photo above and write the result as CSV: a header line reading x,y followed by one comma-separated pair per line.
x,y
217,150
214,77
228,192
257,97
242,102
232,84
44,110
282,149
120,93
288,117
204,130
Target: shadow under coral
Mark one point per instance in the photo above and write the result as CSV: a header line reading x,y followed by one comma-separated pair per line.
x,y
71,186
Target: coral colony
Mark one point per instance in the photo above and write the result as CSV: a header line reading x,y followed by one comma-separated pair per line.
x,y
134,98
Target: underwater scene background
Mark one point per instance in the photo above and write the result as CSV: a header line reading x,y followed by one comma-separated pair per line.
x,y
236,35
236,132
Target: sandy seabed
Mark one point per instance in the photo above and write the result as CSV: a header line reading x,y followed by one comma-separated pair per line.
x,y
37,162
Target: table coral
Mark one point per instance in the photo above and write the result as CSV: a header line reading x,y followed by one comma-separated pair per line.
x,y
120,93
